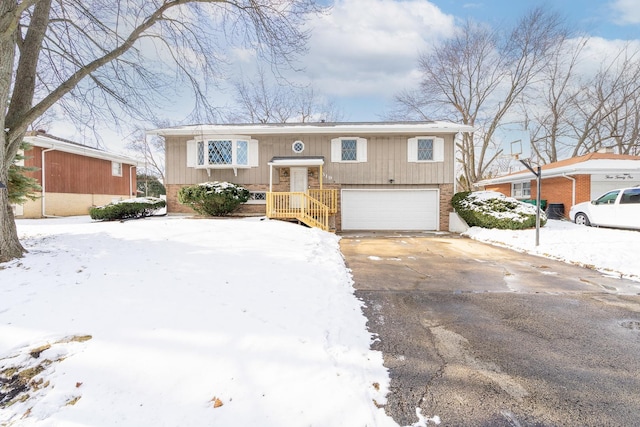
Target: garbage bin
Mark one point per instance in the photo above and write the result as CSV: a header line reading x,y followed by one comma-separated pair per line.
x,y
543,203
555,211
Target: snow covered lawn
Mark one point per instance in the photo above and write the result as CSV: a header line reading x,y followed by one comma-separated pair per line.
x,y
613,252
199,322
184,322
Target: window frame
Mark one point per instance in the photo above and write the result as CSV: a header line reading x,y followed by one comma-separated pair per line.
x,y
297,143
116,168
413,145
520,193
253,201
337,149
244,152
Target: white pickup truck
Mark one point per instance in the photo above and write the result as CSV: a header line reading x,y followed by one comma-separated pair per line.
x,y
616,208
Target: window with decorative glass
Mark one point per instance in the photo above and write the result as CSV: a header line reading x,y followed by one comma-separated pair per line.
x,y
222,153
297,147
425,149
349,150
257,198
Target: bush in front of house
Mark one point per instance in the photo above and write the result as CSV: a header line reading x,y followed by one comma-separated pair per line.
x,y
139,207
490,209
213,198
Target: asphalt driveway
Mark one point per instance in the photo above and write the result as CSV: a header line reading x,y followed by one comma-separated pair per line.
x,y
483,336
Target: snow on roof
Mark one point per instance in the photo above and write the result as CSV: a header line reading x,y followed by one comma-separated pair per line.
x,y
44,140
589,164
315,128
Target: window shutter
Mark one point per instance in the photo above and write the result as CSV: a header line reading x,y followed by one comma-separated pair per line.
x,y
192,154
336,150
412,150
253,153
438,150
362,150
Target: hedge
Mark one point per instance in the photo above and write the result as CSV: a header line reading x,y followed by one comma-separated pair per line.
x,y
213,198
127,209
490,209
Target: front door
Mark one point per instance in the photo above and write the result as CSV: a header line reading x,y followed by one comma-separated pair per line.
x,y
298,184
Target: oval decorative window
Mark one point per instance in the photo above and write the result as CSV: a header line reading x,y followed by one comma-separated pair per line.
x,y
297,146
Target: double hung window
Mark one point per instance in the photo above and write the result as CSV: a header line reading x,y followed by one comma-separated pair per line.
x,y
521,190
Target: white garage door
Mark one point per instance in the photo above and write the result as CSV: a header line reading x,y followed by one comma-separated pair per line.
x,y
389,209
598,188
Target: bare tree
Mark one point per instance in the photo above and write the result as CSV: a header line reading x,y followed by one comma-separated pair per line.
x,y
149,151
477,77
608,111
549,103
113,58
260,100
569,112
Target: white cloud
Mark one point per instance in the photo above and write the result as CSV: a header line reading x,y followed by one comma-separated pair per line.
x,y
628,11
370,47
599,52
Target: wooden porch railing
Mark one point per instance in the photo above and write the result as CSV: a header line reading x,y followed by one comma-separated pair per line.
x,y
327,197
303,207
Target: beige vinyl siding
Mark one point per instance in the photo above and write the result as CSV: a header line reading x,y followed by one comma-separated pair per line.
x,y
386,159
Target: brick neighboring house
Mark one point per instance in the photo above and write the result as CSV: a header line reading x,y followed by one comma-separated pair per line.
x,y
336,176
74,177
571,181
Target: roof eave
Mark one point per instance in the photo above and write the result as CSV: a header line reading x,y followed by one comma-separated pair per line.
x,y
320,128
44,142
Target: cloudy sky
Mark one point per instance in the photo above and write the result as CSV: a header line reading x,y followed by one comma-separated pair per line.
x,y
365,51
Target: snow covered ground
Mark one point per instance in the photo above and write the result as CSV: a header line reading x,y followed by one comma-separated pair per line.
x,y
613,252
176,321
185,322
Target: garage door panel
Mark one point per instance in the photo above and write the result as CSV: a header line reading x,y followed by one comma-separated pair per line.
x,y
390,209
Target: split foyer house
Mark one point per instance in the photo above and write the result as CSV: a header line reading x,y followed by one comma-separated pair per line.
x,y
571,181
336,176
74,177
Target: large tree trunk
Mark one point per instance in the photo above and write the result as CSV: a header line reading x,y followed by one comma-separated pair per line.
x,y
10,247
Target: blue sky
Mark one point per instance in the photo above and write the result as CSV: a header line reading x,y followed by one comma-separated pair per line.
x,y
597,18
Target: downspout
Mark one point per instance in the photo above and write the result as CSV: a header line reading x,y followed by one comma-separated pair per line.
x,y
573,188
43,179
131,183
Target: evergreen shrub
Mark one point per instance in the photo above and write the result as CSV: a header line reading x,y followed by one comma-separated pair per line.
x,y
490,209
139,207
213,198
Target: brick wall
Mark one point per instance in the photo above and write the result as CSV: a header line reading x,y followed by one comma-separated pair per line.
x,y
446,193
500,188
554,190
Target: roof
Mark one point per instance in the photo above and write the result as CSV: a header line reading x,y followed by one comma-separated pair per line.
x,y
589,164
297,161
44,140
431,127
